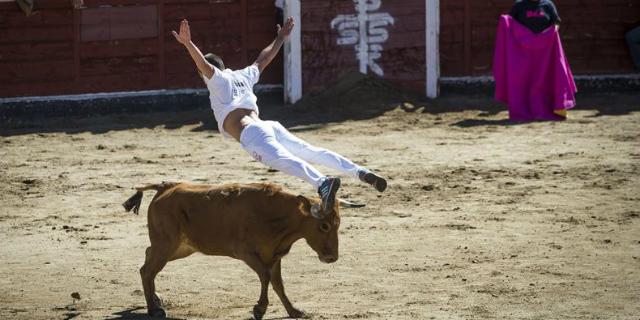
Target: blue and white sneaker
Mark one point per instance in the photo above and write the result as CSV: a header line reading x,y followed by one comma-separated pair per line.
x,y
327,192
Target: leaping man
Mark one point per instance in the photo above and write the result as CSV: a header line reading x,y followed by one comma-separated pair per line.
x,y
235,108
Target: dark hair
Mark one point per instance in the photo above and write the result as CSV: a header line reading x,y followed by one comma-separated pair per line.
x,y
214,60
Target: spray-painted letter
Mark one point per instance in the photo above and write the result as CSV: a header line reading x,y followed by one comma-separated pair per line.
x,y
367,31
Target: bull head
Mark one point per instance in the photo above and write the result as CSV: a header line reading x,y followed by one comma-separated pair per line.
x,y
321,229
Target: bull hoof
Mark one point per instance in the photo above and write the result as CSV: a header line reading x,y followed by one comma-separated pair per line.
x,y
258,312
157,313
158,300
298,314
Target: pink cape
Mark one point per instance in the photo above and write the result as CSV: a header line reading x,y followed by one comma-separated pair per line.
x,y
531,72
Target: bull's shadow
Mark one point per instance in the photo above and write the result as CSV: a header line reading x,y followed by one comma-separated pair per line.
x,y
137,313
140,313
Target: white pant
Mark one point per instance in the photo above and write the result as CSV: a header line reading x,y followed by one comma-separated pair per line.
x,y
270,143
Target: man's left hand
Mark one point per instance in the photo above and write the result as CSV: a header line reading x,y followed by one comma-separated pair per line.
x,y
285,31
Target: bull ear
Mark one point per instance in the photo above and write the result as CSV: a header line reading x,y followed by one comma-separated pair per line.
x,y
304,203
313,209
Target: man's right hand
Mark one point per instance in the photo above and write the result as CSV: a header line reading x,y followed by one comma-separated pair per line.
x,y
184,36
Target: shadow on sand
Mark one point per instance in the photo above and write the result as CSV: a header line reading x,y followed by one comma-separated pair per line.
x,y
468,123
347,102
138,313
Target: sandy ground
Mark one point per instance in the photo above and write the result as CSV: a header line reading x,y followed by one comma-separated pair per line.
x,y
482,219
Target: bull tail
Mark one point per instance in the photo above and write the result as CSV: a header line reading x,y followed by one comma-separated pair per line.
x,y
134,202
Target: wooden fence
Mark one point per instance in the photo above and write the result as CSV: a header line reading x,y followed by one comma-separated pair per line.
x,y
124,45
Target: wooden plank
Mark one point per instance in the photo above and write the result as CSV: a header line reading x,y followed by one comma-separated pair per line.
x,y
94,24
116,3
33,51
76,45
244,29
452,35
174,13
8,6
110,83
36,71
178,64
185,80
124,67
50,17
135,22
405,39
36,88
182,63
262,24
191,2
200,11
320,59
120,48
224,30
160,42
201,30
223,49
261,7
259,40
52,4
467,36
36,34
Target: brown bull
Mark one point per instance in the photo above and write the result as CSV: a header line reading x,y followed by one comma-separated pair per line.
x,y
255,223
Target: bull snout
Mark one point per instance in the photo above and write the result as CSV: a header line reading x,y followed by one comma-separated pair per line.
x,y
328,258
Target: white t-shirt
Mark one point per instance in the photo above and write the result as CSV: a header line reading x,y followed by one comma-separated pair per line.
x,y
279,4
230,90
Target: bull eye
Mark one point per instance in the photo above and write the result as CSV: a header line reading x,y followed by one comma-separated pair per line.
x,y
325,227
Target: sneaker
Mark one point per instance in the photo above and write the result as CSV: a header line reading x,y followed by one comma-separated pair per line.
x,y
373,179
327,192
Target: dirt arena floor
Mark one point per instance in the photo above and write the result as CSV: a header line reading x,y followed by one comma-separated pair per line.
x,y
483,219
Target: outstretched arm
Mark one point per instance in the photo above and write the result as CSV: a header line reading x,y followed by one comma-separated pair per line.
x,y
184,37
271,50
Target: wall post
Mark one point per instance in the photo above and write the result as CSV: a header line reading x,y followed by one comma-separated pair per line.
x,y
293,55
432,49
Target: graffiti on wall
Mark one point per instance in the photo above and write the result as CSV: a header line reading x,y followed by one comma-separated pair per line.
x,y
367,31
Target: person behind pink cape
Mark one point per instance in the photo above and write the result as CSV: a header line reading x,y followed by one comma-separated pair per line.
x,y
531,72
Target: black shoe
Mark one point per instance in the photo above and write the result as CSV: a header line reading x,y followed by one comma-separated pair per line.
x,y
373,179
327,192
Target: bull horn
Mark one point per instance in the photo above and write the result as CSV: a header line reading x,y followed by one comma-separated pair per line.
x,y
348,204
316,212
